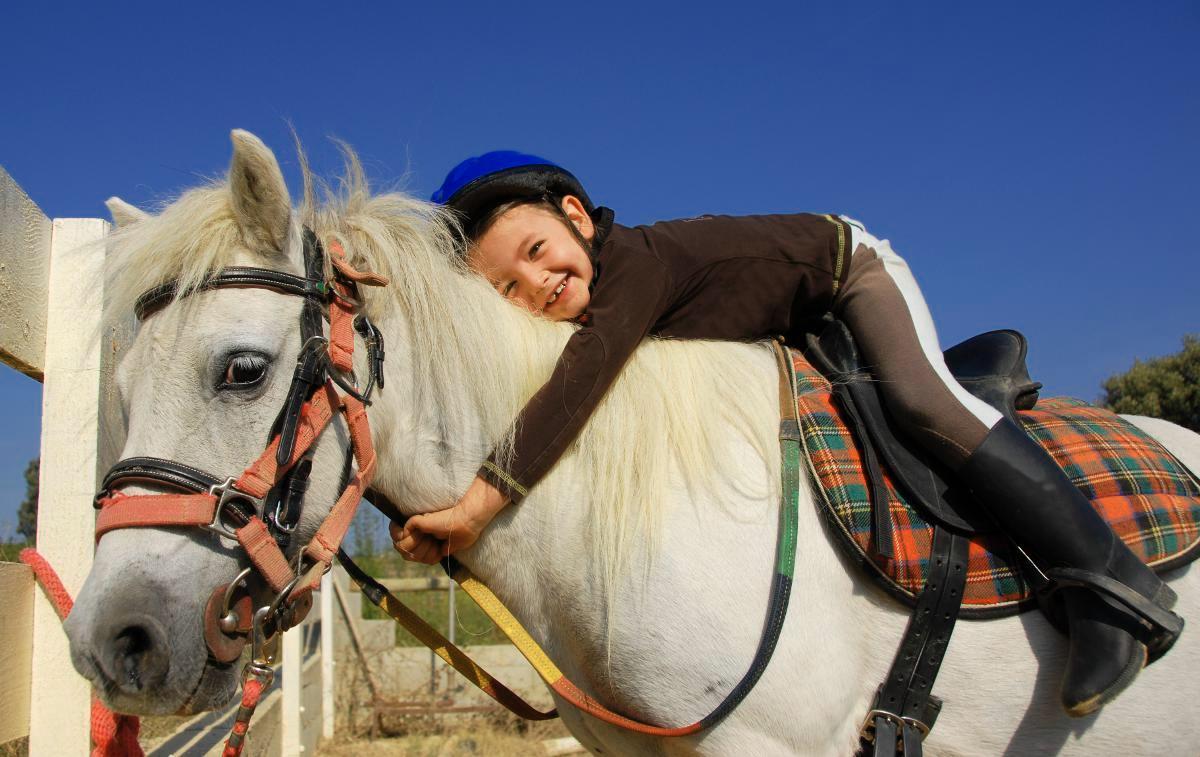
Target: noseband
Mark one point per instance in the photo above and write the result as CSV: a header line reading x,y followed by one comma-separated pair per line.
x,y
261,508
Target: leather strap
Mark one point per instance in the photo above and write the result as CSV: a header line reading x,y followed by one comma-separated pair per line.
x,y
886,734
309,375
233,276
158,471
905,708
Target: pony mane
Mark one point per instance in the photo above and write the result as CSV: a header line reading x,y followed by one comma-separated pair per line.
x,y
478,359
665,421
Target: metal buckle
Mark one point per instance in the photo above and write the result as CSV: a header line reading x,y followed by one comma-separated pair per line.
x,y
924,729
867,730
226,493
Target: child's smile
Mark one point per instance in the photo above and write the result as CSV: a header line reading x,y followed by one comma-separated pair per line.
x,y
532,258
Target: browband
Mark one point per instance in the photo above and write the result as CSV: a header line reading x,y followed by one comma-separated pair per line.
x,y
235,276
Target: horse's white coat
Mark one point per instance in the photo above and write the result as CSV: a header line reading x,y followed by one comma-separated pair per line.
x,y
664,638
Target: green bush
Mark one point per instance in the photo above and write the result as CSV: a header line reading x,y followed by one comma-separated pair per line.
x,y
1166,387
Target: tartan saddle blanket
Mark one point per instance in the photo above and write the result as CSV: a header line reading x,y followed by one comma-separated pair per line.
x,y
1151,501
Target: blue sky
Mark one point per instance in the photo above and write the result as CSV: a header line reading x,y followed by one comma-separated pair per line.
x,y
1034,162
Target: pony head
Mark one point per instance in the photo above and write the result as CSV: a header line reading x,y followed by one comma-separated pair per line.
x,y
202,385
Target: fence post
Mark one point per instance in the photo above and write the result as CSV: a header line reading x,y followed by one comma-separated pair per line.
x,y
72,451
293,670
327,682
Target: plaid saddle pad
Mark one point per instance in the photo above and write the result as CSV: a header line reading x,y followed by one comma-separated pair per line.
x,y
1150,500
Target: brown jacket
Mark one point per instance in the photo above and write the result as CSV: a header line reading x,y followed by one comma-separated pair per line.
x,y
710,277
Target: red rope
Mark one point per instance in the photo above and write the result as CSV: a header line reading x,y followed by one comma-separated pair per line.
x,y
113,735
45,575
252,689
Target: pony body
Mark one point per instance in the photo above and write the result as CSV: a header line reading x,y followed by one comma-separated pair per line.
x,y
642,562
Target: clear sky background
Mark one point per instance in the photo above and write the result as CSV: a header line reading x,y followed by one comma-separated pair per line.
x,y
1036,163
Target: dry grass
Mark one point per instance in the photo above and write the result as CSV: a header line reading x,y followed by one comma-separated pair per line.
x,y
15,748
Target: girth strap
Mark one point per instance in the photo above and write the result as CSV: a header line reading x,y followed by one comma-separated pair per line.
x,y
905,709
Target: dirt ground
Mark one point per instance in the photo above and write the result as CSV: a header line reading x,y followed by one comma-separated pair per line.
x,y
494,737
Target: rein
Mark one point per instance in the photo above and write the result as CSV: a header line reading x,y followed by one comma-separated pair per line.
x,y
260,507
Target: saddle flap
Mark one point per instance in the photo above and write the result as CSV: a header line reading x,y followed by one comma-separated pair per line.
x,y
991,366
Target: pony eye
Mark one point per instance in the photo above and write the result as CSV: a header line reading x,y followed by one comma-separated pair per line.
x,y
244,370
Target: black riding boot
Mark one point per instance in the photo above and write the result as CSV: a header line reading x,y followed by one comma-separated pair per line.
x,y
1118,610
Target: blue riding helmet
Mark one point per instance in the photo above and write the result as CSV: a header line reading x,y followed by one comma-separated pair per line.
x,y
478,184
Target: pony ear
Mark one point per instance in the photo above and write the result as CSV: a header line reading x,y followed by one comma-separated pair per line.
x,y
260,196
123,213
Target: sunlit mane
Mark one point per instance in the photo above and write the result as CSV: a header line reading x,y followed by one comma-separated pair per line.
x,y
476,356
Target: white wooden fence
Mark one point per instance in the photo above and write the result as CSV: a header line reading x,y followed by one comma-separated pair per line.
x,y
51,311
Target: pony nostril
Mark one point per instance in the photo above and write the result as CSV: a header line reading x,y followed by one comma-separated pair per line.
x,y
137,657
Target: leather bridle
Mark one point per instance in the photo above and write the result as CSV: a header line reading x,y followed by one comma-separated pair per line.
x,y
261,508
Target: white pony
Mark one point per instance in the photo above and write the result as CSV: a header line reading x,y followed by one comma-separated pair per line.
x,y
642,563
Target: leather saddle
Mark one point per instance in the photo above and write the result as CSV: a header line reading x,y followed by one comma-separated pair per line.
x,y
991,366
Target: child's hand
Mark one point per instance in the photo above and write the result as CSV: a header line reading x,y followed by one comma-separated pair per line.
x,y
429,537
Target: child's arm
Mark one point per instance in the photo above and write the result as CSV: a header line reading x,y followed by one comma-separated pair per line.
x,y
632,293
625,305
429,537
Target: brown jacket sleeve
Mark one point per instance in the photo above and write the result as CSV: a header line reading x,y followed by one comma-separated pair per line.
x,y
626,302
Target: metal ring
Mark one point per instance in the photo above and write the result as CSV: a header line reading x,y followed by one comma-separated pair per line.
x,y
240,580
274,609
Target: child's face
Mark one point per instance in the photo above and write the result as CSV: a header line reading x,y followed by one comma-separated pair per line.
x,y
533,259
